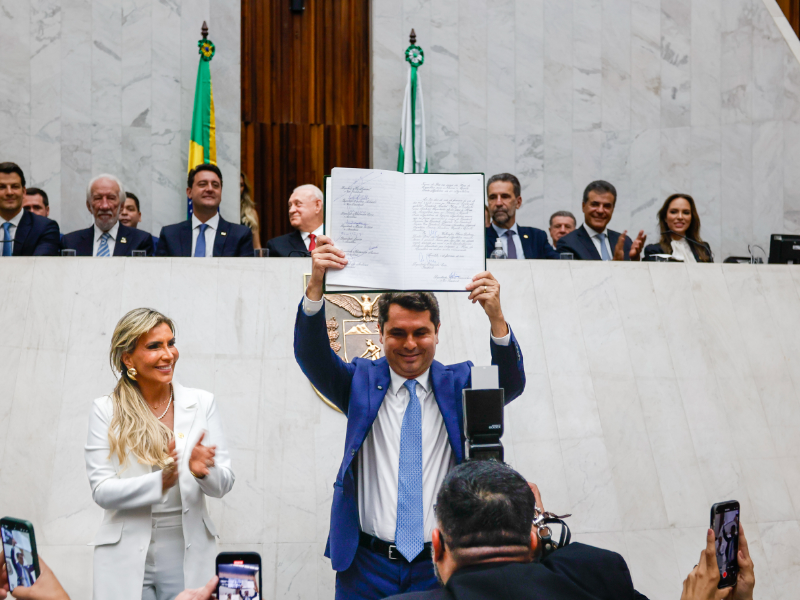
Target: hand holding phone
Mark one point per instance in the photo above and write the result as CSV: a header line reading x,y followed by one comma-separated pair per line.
x,y
19,551
725,523
239,575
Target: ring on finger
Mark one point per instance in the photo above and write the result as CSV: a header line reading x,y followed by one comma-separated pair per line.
x,y
485,289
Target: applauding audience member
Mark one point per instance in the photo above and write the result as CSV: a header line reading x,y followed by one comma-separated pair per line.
x,y
562,222
107,236
22,232
247,210
306,216
593,241
36,201
679,225
504,196
206,233
131,215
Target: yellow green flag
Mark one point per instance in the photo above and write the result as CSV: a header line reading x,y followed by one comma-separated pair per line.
x,y
203,142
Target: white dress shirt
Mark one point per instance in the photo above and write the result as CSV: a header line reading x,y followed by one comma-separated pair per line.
x,y
210,234
12,231
682,251
112,240
501,233
379,456
596,241
306,239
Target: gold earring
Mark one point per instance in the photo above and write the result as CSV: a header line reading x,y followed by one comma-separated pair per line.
x,y
132,373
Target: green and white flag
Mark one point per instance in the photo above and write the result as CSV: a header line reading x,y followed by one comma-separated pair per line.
x,y
413,156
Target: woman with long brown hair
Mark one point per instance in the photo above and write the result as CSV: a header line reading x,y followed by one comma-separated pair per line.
x,y
155,450
679,226
247,209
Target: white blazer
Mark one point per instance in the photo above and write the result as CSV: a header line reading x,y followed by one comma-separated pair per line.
x,y
127,495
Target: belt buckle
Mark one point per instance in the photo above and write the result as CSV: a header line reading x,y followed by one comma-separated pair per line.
x,y
392,549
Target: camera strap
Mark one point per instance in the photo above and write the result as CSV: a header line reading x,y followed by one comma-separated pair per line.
x,y
542,522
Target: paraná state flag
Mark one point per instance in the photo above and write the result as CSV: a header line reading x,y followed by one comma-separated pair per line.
x,y
413,155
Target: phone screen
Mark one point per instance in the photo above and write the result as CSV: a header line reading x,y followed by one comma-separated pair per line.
x,y
726,540
239,580
18,550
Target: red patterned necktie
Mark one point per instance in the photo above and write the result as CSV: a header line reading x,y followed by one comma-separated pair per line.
x,y
313,243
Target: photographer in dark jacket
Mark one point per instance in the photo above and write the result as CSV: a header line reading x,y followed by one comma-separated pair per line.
x,y
484,548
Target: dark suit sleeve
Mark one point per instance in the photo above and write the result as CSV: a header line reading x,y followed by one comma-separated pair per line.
x,y
326,371
510,367
245,247
546,250
273,251
563,246
50,241
162,247
146,244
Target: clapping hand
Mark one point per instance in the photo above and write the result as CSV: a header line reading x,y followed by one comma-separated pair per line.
x,y
169,474
202,458
636,246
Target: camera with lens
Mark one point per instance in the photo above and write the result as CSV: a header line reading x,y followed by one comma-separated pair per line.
x,y
483,415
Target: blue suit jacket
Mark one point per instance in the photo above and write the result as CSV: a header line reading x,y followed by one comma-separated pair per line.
x,y
534,242
358,389
35,236
582,247
230,240
82,241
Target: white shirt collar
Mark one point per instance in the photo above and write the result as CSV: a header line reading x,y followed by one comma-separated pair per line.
x,y
316,232
500,231
213,222
16,218
398,381
593,232
111,232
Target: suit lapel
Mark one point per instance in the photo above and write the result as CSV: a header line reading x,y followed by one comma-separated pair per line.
x,y
222,235
526,238
491,238
20,235
185,238
185,412
449,406
124,240
297,243
588,244
85,245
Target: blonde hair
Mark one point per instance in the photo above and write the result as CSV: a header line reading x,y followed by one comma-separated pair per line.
x,y
247,208
133,427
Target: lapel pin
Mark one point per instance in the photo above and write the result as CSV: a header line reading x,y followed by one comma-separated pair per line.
x,y
525,235
223,233
123,241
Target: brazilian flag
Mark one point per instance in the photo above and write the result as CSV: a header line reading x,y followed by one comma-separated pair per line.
x,y
203,143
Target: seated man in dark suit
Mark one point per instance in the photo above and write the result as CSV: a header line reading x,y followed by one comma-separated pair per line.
x,y
22,233
592,241
484,548
107,236
504,196
206,233
306,216
131,215
404,428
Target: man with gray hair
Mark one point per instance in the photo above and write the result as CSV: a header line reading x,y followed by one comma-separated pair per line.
x,y
106,236
306,216
562,222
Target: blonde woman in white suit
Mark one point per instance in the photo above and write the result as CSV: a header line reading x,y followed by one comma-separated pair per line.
x,y
155,450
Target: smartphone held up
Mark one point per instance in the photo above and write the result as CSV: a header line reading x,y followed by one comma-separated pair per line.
x,y
239,575
19,550
725,523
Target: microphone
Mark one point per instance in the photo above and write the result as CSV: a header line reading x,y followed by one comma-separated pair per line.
x,y
688,239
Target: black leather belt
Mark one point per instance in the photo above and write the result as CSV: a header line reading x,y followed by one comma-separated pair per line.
x,y
389,550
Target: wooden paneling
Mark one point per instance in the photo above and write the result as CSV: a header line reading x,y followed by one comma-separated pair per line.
x,y
791,8
305,98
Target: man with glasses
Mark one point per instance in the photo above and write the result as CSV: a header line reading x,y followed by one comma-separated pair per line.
x,y
107,236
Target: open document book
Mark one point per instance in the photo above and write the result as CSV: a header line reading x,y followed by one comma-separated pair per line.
x,y
405,231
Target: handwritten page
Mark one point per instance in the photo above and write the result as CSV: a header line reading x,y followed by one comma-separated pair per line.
x,y
444,231
366,221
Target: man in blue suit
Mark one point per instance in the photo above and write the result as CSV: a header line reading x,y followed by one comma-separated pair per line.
x,y
593,240
107,236
206,233
22,233
503,192
404,428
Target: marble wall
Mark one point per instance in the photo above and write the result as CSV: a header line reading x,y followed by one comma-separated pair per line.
x,y
656,96
93,86
654,390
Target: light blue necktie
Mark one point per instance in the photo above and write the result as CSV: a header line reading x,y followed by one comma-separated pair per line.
x,y
410,532
102,249
200,246
8,241
603,250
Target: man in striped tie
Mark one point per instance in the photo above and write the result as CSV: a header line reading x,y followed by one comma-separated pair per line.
x,y
404,428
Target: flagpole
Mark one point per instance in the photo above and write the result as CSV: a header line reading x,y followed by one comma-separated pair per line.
x,y
413,159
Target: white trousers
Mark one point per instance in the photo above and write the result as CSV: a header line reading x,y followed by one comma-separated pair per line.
x,y
163,567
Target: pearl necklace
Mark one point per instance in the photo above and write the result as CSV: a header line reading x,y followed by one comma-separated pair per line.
x,y
168,404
